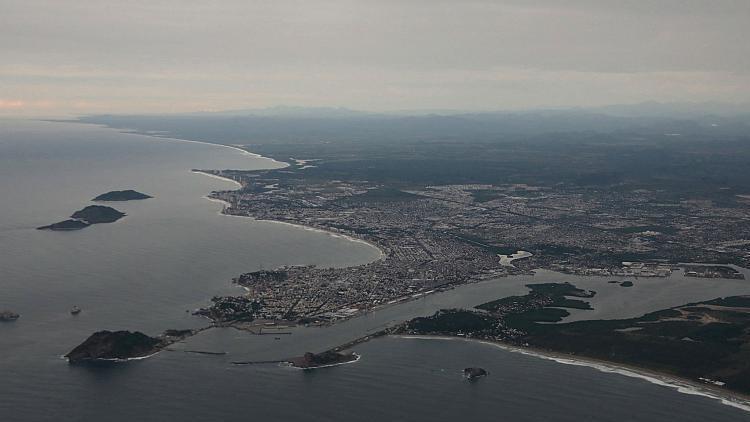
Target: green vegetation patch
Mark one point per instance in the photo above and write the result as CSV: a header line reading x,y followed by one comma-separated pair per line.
x,y
560,289
563,302
452,321
732,302
506,301
525,320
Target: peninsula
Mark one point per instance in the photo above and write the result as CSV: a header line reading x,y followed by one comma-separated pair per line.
x,y
706,342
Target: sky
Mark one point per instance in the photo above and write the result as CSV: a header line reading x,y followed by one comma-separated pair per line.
x,y
73,57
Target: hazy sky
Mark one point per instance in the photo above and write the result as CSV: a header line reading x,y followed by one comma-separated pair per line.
x,y
71,57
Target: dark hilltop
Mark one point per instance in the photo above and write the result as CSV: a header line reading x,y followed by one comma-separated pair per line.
x,y
114,345
93,214
122,195
319,360
473,373
123,345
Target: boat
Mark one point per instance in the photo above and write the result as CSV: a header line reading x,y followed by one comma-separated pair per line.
x,y
75,311
8,316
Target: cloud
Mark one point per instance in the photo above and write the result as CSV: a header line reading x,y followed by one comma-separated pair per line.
x,y
140,55
11,104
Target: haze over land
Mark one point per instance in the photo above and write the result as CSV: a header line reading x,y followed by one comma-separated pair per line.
x,y
82,57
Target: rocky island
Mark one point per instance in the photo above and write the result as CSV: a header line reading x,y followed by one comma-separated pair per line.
x,y
93,214
123,345
320,360
230,309
114,345
122,195
66,225
474,373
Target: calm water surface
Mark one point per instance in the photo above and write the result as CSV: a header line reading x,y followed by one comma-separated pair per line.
x,y
173,252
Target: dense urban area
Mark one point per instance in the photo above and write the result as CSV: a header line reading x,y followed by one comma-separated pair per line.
x,y
452,199
442,235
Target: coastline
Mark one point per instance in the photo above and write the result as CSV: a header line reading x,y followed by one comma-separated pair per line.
x,y
244,151
220,201
381,255
684,386
357,357
681,385
238,184
119,360
169,138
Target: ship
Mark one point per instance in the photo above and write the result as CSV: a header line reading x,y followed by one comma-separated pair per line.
x,y
8,316
75,311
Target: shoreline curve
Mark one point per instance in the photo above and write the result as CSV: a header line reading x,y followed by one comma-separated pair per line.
x,y
381,253
681,385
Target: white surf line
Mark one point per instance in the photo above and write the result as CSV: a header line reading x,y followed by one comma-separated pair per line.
x,y
356,359
680,386
169,138
138,132
118,360
382,254
330,233
243,151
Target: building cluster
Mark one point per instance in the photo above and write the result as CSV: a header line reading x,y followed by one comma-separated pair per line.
x,y
433,237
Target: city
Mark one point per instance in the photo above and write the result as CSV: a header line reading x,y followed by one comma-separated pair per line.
x,y
435,237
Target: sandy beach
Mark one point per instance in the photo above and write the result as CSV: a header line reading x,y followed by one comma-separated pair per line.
x,y
238,184
682,385
333,234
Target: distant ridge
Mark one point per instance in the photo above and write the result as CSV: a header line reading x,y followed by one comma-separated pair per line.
x,y
285,111
642,109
